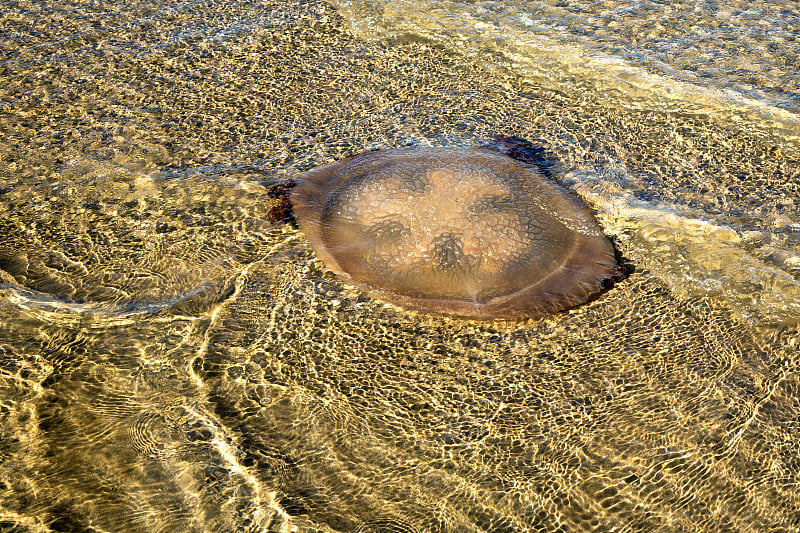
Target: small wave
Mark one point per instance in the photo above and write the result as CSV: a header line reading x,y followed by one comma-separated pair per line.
x,y
51,309
751,270
670,68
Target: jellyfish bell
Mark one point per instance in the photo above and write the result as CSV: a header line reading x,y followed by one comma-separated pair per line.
x,y
467,232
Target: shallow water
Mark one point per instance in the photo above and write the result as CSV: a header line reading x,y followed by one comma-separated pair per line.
x,y
171,361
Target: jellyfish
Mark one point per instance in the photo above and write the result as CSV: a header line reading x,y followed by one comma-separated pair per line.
x,y
468,232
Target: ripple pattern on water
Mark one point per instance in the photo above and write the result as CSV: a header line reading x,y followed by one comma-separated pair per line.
x,y
170,361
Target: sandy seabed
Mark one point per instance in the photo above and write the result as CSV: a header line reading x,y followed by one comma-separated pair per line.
x,y
171,361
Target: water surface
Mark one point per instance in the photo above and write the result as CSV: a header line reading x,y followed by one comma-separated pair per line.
x,y
171,361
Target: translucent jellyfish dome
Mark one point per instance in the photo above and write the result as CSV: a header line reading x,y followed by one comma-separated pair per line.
x,y
462,232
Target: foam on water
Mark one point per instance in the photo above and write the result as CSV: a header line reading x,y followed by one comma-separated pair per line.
x,y
757,273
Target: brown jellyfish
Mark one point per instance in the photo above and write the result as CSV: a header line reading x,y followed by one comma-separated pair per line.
x,y
476,233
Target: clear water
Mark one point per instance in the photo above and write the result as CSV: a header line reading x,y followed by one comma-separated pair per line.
x,y
171,361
